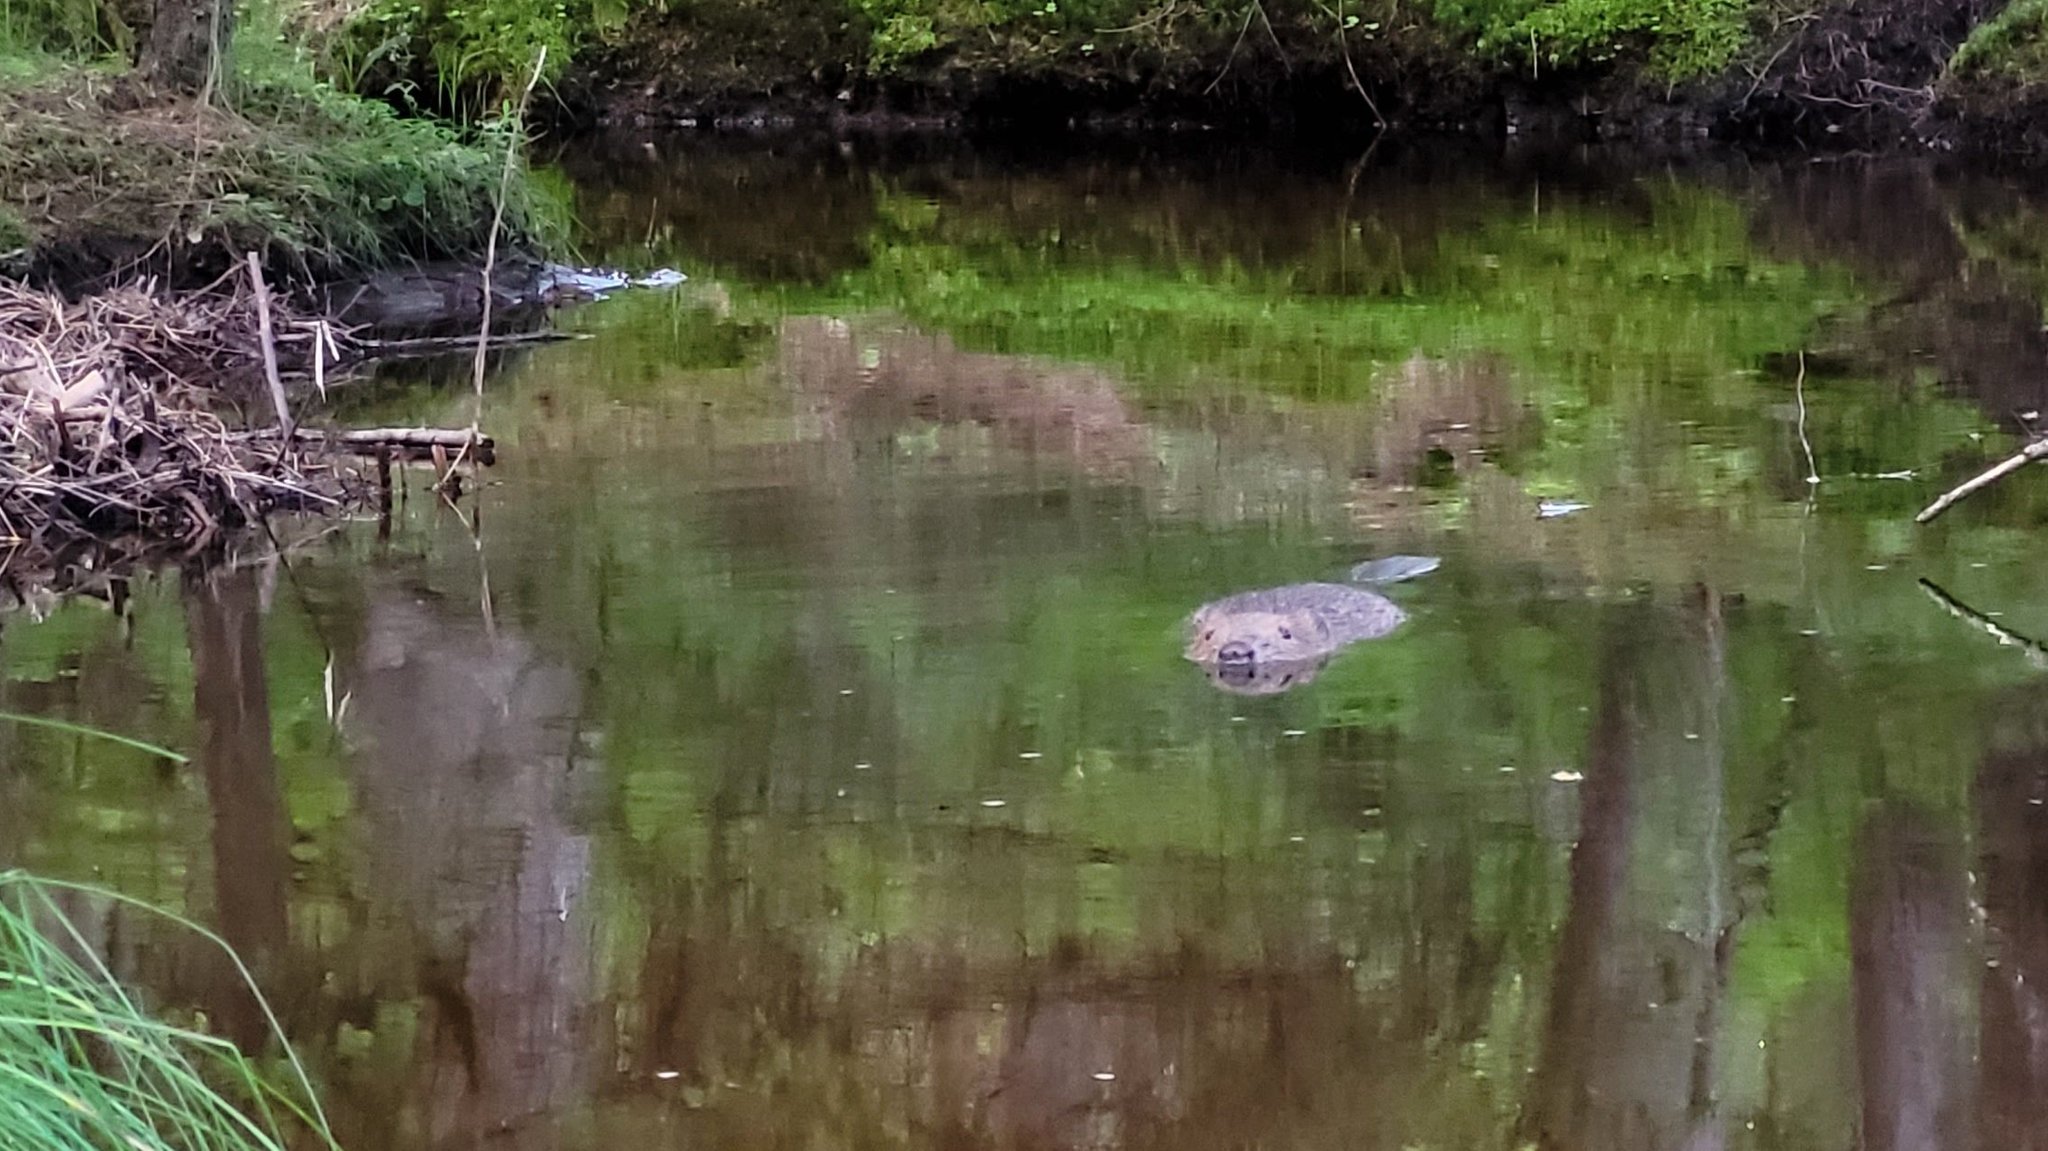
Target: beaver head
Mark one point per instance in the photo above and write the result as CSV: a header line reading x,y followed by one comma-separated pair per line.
x,y
1256,637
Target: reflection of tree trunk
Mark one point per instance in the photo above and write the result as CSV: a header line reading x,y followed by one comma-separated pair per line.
x,y
2013,828
466,776
1908,925
250,864
1627,1058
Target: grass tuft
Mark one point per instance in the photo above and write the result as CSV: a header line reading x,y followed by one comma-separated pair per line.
x,y
2011,47
84,1067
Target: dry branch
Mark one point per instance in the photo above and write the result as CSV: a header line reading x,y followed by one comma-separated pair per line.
x,y
264,329
1991,475
407,442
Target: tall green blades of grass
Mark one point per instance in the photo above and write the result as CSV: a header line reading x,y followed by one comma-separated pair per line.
x,y
84,1067
90,733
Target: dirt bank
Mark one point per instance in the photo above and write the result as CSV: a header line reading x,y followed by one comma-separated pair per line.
x,y
1847,74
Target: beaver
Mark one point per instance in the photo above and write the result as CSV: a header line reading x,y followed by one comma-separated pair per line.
x,y
1296,627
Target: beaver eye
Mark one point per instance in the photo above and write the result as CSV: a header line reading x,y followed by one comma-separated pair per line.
x,y
1210,634
1285,634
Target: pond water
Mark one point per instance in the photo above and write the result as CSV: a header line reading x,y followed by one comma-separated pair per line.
x,y
791,746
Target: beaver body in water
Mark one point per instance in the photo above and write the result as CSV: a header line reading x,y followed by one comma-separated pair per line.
x,y
1292,624
1259,642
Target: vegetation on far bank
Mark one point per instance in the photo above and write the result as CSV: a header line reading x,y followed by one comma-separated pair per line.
x,y
458,53
1830,72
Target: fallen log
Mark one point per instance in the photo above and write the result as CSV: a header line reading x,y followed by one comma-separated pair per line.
x,y
405,443
1991,475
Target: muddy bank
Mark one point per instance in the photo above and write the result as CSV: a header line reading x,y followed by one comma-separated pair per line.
x,y
1848,75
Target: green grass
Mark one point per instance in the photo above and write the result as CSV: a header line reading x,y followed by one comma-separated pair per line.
x,y
84,1066
1679,39
2012,46
320,179
350,177
72,27
474,54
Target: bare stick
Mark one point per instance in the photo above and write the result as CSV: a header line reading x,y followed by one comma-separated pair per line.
x,y
1344,44
1991,475
483,335
377,442
1232,58
284,413
1799,390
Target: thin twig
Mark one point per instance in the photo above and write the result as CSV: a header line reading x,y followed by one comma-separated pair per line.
x,y
1234,46
1799,390
483,335
1344,45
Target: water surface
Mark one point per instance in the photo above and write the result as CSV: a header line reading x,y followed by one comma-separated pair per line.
x,y
791,746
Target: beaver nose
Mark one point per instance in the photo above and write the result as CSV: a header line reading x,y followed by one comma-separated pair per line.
x,y
1236,651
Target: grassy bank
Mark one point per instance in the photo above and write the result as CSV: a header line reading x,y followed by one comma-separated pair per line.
x,y
101,175
1997,84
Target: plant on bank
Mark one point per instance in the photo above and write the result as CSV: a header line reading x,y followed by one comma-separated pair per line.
x,y
2011,46
1678,39
311,174
84,1066
475,54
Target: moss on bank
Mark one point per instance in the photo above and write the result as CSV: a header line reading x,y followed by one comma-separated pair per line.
x,y
1996,86
2010,47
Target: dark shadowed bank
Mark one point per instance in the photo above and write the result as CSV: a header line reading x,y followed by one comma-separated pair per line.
x,y
1839,75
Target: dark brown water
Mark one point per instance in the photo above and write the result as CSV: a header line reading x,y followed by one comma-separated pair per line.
x,y
792,746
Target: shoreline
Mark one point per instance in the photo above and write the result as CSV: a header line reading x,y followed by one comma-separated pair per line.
x,y
1869,76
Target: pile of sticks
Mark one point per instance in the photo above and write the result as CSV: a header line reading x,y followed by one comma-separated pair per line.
x,y
111,432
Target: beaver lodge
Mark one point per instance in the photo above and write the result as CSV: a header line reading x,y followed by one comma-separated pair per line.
x,y
139,425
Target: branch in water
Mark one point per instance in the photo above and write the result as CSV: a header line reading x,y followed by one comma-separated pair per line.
x,y
1991,475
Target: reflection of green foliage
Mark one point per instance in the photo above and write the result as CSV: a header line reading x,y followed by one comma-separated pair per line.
x,y
1573,292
